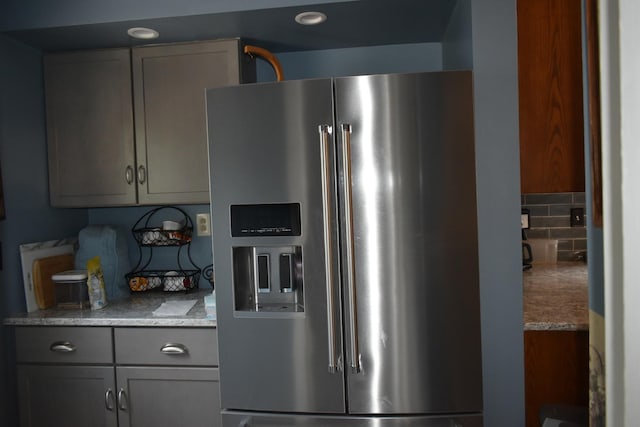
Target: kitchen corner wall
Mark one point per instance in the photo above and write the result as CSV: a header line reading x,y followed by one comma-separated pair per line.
x,y
492,45
29,218
549,218
23,157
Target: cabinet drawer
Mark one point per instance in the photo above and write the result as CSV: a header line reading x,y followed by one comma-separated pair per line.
x,y
64,345
166,346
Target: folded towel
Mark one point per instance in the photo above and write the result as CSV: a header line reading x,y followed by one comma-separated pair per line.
x,y
174,308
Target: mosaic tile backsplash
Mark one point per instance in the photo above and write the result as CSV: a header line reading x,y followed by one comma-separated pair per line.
x,y
549,218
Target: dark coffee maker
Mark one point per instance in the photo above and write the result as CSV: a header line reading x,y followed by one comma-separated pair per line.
x,y
527,254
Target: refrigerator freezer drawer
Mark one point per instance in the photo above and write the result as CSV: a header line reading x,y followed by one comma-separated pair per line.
x,y
249,419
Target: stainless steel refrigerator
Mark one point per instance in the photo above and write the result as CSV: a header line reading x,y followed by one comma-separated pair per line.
x,y
345,251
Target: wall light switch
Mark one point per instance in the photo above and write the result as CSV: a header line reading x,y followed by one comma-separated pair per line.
x,y
524,219
203,224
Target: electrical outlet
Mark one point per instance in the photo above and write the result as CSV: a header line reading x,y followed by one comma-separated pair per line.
x,y
203,224
577,217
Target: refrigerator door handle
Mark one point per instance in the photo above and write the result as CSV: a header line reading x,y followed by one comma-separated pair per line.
x,y
325,131
356,365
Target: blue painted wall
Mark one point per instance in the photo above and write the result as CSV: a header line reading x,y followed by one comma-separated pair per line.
x,y
23,157
163,258
457,51
494,36
403,58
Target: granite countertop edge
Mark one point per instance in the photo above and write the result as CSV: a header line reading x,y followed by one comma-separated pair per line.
x,y
134,311
129,322
555,326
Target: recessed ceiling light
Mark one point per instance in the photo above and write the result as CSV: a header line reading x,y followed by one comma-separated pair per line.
x,y
142,33
310,18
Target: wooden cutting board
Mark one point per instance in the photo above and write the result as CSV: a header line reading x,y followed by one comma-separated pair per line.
x,y
43,269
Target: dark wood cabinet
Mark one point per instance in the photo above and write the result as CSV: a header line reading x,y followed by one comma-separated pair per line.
x,y
556,371
550,96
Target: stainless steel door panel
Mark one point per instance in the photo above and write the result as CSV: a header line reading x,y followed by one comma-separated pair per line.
x,y
248,419
265,147
415,268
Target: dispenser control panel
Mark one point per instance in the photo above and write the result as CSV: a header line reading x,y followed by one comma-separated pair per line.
x,y
281,219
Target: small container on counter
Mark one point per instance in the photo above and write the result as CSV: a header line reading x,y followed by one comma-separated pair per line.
x,y
544,251
71,289
95,284
210,305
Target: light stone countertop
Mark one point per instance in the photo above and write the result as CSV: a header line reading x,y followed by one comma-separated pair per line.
x,y
556,297
135,310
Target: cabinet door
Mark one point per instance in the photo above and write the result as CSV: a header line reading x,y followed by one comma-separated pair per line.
x,y
67,396
90,128
168,397
556,371
169,102
550,96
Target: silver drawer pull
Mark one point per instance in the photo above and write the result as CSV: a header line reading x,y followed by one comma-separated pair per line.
x,y
128,174
62,347
174,349
122,400
108,400
142,174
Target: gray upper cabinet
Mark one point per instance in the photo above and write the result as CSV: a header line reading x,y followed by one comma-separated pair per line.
x,y
171,134
90,128
94,159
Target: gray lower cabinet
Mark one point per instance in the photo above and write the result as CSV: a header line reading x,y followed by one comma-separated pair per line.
x,y
182,385
160,396
67,396
102,376
99,155
66,376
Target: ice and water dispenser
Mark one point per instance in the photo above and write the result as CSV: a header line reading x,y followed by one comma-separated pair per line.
x,y
267,277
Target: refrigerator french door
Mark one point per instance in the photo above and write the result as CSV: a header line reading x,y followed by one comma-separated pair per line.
x,y
345,251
